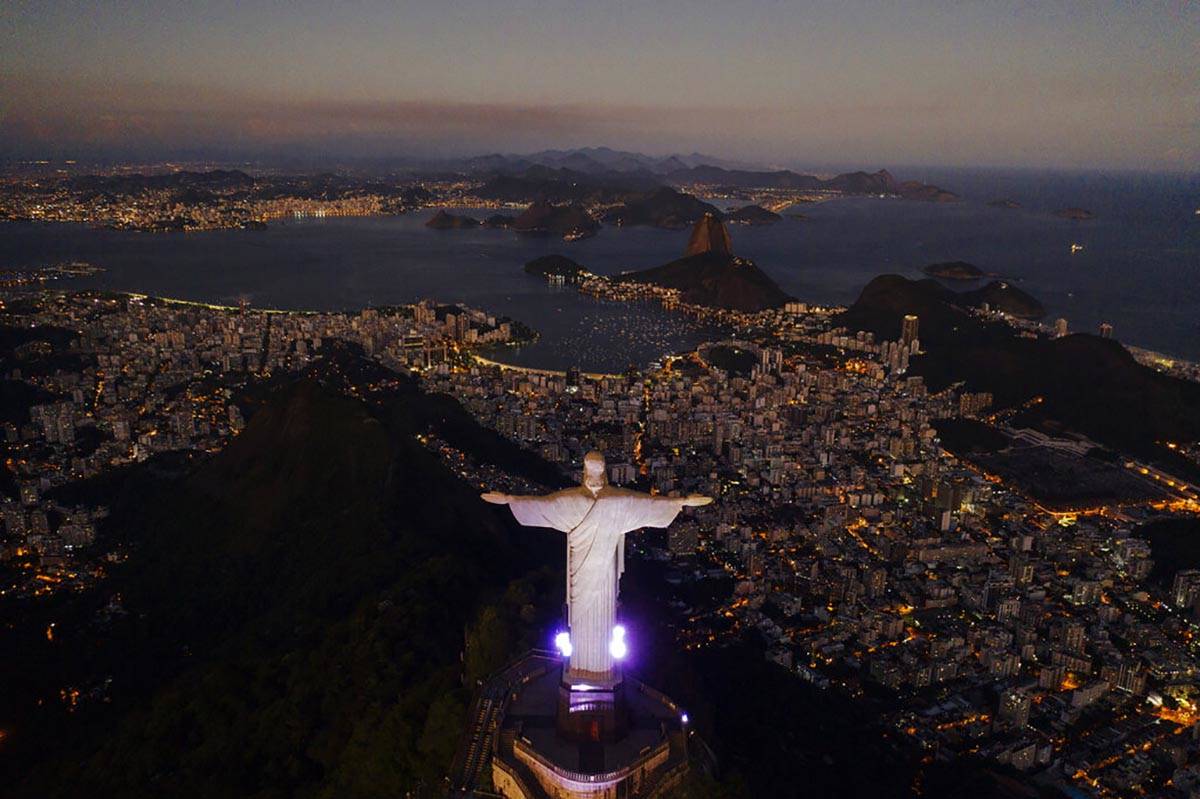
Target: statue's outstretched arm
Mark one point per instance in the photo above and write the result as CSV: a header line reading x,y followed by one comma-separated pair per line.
x,y
500,498
561,510
657,511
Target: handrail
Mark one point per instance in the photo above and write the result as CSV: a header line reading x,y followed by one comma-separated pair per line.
x,y
655,694
664,779
531,665
514,776
524,748
508,673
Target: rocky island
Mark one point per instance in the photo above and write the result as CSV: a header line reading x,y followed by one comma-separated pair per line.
x,y
1074,213
443,220
569,221
499,221
752,215
556,266
916,190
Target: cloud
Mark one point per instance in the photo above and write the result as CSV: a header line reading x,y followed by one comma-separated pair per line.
x,y
40,112
1064,125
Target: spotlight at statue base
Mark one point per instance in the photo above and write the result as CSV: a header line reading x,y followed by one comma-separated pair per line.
x,y
616,645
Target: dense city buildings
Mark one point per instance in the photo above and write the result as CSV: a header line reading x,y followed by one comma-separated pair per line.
x,y
117,379
846,540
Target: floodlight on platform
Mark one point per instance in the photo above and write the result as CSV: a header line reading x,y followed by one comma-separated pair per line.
x,y
617,646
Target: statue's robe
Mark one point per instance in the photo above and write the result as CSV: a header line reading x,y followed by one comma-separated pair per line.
x,y
595,526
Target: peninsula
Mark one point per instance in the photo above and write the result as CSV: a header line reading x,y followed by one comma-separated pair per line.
x,y
710,275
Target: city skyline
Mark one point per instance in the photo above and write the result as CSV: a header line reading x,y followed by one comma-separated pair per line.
x,y
1073,86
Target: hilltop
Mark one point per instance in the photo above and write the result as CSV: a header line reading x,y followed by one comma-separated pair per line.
x,y
444,220
662,207
555,266
1087,383
709,235
710,275
543,217
954,270
752,215
716,280
1003,296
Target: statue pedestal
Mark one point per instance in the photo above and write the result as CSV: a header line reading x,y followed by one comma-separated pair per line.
x,y
592,714
618,741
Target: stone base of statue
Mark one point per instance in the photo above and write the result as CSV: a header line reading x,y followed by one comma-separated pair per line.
x,y
554,742
588,713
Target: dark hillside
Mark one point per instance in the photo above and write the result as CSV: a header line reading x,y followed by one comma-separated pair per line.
x,y
297,606
717,280
1090,384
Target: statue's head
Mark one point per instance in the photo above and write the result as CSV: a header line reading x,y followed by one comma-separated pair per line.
x,y
595,476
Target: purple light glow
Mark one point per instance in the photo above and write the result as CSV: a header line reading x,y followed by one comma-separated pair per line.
x,y
617,646
562,642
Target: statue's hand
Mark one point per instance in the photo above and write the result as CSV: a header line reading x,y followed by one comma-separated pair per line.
x,y
495,497
696,501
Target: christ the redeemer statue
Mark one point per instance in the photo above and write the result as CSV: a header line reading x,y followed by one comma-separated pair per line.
x,y
595,516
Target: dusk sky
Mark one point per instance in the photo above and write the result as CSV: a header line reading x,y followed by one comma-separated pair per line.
x,y
1051,84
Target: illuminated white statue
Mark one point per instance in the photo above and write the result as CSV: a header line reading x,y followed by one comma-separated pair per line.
x,y
595,516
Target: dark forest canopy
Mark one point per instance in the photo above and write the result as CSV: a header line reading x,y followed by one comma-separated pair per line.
x,y
297,605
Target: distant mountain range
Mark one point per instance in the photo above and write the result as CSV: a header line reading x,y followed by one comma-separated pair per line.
x,y
582,176
555,266
594,160
638,171
881,182
752,215
954,270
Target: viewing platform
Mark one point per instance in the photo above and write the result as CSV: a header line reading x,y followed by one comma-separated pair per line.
x,y
532,757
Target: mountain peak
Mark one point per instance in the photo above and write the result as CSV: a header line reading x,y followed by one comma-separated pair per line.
x,y
709,235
